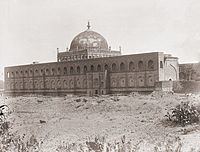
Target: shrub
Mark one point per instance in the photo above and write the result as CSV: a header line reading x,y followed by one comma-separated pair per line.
x,y
183,114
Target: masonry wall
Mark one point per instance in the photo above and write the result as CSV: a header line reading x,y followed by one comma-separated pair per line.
x,y
127,73
189,72
187,86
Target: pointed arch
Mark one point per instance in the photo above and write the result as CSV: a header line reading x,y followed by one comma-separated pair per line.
x,y
114,67
122,66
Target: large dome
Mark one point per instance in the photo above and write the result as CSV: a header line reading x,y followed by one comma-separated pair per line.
x,y
88,39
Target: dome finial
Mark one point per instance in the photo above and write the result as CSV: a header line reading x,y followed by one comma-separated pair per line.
x,y
88,25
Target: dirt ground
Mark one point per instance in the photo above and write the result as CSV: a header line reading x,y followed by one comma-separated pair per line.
x,y
141,118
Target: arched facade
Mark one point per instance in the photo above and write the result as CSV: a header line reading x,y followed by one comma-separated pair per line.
x,y
103,75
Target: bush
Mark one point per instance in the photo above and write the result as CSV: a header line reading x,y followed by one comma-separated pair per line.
x,y
183,114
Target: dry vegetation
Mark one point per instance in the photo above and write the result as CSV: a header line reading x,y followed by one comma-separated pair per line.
x,y
118,123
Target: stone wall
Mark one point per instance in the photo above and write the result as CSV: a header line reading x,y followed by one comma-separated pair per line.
x,y
164,86
189,72
127,73
187,86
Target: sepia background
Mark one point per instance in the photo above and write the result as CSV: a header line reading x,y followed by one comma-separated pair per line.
x,y
32,30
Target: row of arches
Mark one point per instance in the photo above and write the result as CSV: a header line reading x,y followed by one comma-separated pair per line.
x,y
114,67
56,84
132,81
48,84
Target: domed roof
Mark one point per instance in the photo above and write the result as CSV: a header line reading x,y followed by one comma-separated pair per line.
x,y
88,39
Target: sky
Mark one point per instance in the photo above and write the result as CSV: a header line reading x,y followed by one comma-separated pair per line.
x,y
31,30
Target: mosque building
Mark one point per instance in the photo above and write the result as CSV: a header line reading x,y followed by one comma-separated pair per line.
x,y
91,67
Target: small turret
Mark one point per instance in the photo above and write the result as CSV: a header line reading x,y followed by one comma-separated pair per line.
x,y
88,25
120,49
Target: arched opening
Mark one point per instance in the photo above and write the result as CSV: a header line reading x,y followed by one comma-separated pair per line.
x,y
42,72
26,73
21,73
114,67
113,82
17,73
122,66
53,84
71,84
78,69
150,64
140,81
58,84
99,68
53,71
131,66
150,81
13,74
64,84
36,72
85,69
78,83
106,67
140,65
59,71
35,84
71,70
65,71
91,68
122,82
47,72
31,72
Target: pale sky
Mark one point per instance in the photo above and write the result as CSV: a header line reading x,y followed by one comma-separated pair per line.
x,y
31,30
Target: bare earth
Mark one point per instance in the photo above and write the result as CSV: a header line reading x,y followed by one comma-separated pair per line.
x,y
77,119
